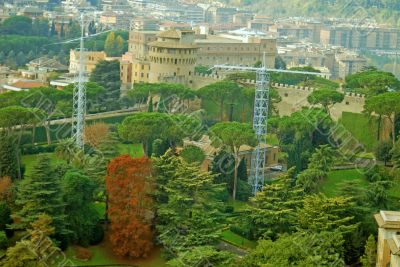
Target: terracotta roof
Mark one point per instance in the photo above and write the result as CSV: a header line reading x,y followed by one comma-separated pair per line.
x,y
28,84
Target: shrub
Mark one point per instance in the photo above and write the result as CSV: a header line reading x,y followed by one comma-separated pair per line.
x,y
82,253
97,235
3,240
229,209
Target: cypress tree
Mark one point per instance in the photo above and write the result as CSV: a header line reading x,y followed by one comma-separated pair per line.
x,y
40,193
8,154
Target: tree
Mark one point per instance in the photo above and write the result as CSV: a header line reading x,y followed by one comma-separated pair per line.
x,y
5,217
189,212
280,63
386,105
204,256
119,46
81,216
369,257
97,133
36,251
325,97
383,151
310,180
40,193
323,158
20,59
106,74
221,93
8,154
300,133
299,249
321,213
273,210
231,136
19,25
144,128
6,187
373,82
193,154
66,150
129,210
110,45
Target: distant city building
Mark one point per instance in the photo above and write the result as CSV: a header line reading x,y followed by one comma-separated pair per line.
x,y
40,68
349,64
144,24
370,38
220,15
235,50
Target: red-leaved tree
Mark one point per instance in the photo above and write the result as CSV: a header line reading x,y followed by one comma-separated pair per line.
x,y
128,184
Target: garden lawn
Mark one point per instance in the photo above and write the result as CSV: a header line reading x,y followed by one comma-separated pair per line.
x,y
237,240
331,185
102,256
363,129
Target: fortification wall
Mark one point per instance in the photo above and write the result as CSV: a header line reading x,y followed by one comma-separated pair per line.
x,y
293,97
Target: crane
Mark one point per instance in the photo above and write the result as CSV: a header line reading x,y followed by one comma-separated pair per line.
x,y
260,117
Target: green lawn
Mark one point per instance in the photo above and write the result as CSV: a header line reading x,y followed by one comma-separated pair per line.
x,y
330,186
237,240
362,128
102,255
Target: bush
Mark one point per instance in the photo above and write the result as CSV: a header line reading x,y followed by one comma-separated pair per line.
x,y
229,209
32,150
193,154
82,253
97,235
241,230
3,240
243,191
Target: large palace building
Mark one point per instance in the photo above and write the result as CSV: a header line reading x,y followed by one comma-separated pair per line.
x,y
171,56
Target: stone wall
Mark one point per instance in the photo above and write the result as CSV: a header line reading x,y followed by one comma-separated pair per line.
x,y
293,97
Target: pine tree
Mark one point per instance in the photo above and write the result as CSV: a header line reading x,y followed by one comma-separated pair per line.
x,y
31,55
369,257
150,109
21,59
40,193
189,213
273,210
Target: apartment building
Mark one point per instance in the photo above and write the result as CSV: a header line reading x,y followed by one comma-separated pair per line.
x,y
370,38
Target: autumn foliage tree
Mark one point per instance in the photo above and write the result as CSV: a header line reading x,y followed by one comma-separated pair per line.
x,y
96,134
129,206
